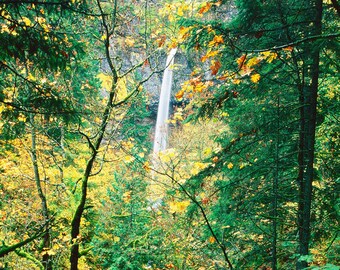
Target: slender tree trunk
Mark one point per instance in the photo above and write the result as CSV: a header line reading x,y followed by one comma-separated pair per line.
x,y
275,191
75,224
46,260
307,142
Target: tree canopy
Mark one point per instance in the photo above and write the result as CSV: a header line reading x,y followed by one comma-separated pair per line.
x,y
250,176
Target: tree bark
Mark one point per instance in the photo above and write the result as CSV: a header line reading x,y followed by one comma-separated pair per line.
x,y
307,141
46,260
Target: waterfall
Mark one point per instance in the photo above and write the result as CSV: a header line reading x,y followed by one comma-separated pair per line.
x,y
155,191
161,131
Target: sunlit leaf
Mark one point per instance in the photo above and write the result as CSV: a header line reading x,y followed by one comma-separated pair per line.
x,y
255,78
205,8
178,207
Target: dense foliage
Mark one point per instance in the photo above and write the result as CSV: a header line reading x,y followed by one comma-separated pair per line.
x,y
251,174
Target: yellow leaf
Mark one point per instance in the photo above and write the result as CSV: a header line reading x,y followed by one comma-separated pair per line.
x,y
21,117
230,165
129,41
236,81
106,80
127,196
211,240
207,151
255,78
216,40
208,55
269,56
253,61
30,77
116,239
179,207
129,159
183,32
122,91
27,21
146,166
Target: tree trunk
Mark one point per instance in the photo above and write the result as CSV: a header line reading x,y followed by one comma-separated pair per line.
x,y
75,224
307,142
46,260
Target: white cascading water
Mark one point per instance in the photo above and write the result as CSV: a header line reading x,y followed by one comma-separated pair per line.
x,y
161,131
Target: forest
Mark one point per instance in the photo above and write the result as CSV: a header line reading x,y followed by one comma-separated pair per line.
x,y
245,173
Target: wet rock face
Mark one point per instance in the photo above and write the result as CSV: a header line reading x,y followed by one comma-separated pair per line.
x,y
152,87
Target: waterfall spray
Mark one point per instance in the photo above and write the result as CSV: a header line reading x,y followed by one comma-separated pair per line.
x,y
161,131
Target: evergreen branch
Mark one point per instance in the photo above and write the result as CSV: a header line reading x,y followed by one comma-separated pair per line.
x,y
291,44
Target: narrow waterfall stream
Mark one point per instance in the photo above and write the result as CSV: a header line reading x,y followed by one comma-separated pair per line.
x,y
161,131
156,192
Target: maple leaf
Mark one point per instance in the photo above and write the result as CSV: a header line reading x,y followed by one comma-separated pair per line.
x,y
27,21
240,61
255,78
215,66
178,207
246,70
208,55
216,40
289,48
146,166
236,81
179,94
269,56
211,240
205,200
205,8
253,61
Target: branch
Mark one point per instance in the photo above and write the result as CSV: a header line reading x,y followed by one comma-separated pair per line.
x,y
292,44
4,249
29,257
34,2
193,199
